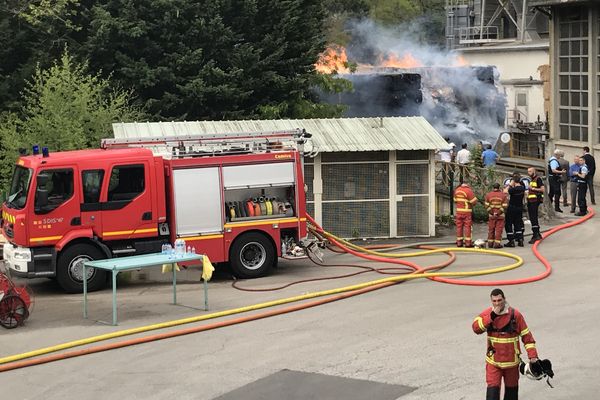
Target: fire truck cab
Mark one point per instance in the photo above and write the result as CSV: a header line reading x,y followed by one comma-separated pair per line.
x,y
237,198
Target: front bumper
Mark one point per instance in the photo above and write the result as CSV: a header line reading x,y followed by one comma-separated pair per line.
x,y
16,259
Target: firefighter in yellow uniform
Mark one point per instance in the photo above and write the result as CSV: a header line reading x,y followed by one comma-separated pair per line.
x,y
496,203
464,201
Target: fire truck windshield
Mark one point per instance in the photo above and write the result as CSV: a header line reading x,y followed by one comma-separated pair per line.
x,y
17,197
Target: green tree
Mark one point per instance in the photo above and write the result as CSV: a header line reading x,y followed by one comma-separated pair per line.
x,y
64,108
394,11
9,149
338,14
208,59
41,13
185,59
32,33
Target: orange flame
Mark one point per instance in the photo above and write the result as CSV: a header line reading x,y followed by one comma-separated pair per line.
x,y
406,61
460,61
333,60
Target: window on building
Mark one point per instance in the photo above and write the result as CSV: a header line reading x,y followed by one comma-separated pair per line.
x,y
521,99
573,82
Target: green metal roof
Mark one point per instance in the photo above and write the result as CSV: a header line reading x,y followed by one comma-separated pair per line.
x,y
329,134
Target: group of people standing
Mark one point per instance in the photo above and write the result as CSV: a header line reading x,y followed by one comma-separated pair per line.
x,y
579,176
505,210
505,205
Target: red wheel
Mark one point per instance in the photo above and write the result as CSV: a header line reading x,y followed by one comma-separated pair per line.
x,y
13,311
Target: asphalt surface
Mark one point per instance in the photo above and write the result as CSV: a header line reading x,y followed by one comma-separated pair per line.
x,y
415,336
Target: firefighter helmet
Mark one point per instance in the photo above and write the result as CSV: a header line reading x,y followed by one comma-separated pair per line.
x,y
531,370
537,370
479,244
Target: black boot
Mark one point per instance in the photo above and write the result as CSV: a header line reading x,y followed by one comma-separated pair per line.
x,y
557,209
510,243
493,393
520,243
536,236
511,393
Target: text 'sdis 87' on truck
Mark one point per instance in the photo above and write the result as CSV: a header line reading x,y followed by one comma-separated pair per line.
x,y
238,198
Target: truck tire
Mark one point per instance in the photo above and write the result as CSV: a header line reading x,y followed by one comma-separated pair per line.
x,y
69,272
252,255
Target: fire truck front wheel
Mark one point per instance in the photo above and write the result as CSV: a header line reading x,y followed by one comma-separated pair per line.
x,y
252,255
69,273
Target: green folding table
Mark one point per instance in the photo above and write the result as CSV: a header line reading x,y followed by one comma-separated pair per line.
x,y
120,264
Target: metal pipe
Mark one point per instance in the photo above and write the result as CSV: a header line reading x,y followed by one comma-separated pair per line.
x,y
523,21
481,22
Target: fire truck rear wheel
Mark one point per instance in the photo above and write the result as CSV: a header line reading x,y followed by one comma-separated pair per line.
x,y
69,273
252,255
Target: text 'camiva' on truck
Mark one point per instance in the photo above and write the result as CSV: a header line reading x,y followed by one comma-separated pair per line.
x,y
238,198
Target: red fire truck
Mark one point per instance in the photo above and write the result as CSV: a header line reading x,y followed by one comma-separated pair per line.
x,y
238,198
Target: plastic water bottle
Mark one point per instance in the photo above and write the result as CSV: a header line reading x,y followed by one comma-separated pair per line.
x,y
188,250
164,249
179,247
193,251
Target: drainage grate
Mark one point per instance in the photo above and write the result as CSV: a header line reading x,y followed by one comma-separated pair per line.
x,y
294,385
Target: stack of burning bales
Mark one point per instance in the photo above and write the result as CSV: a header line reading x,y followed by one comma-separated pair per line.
x,y
462,102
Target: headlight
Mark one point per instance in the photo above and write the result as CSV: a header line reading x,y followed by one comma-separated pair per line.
x,y
22,255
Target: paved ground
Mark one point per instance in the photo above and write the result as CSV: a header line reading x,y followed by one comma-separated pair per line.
x,y
416,334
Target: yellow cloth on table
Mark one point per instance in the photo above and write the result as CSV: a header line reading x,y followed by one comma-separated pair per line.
x,y
207,268
169,268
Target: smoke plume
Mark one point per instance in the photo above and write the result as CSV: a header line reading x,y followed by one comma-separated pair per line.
x,y
398,75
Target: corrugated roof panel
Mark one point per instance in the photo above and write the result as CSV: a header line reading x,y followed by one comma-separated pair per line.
x,y
329,134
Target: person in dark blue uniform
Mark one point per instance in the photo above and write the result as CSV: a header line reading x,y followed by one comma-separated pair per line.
x,y
554,174
582,183
514,213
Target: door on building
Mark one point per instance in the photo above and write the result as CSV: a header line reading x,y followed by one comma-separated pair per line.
x,y
522,105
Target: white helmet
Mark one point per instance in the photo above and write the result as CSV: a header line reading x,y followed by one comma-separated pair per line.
x,y
479,244
538,370
532,371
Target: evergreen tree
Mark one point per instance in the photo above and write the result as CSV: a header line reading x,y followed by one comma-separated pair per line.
x,y
64,108
219,59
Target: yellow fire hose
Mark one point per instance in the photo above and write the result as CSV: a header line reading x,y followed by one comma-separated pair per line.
x,y
94,339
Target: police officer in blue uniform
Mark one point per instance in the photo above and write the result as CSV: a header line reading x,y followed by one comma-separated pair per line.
x,y
581,179
554,174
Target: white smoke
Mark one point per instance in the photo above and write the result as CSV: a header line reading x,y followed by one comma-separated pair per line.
x,y
465,103
369,39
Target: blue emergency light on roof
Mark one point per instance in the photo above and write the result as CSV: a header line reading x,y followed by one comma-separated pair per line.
x,y
45,152
36,149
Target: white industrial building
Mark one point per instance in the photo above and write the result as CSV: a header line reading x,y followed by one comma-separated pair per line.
x,y
513,37
575,78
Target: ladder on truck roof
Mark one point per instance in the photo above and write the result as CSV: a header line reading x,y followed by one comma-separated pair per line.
x,y
216,144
